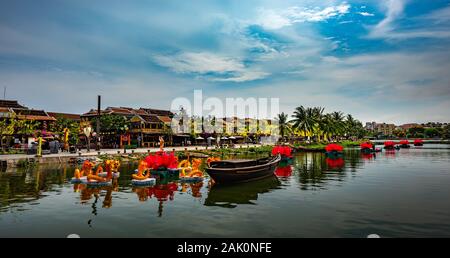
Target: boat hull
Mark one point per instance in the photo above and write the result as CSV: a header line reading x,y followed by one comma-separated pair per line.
x,y
243,173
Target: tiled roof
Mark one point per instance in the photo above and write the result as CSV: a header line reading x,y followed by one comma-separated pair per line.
x,y
74,117
37,117
165,119
151,118
158,112
10,104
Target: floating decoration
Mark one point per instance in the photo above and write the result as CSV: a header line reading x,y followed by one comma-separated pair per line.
x,y
95,180
404,144
80,176
142,177
418,142
334,150
389,145
367,147
111,166
162,164
191,174
284,151
162,160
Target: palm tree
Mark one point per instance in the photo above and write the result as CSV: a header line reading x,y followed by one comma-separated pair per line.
x,y
302,121
328,126
307,120
283,125
338,120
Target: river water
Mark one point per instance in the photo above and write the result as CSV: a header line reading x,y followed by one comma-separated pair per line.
x,y
403,193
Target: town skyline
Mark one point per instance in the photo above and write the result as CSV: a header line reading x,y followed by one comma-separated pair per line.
x,y
365,123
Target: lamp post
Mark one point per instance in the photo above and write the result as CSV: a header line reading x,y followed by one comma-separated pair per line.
x,y
87,132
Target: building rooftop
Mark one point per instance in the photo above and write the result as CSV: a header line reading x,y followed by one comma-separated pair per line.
x,y
73,117
10,104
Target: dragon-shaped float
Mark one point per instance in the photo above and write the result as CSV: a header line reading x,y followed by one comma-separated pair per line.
x,y
99,177
190,171
142,177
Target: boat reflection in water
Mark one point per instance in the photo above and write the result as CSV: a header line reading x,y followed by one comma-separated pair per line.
x,y
229,196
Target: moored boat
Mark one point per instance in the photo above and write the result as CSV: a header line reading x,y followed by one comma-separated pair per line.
x,y
233,171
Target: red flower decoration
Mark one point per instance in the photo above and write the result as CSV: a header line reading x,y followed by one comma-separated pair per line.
x,y
389,144
418,141
404,142
161,160
334,147
284,151
366,145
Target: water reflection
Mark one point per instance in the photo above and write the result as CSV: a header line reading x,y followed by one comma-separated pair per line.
x,y
245,193
283,171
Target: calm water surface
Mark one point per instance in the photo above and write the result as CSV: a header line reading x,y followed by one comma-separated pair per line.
x,y
393,194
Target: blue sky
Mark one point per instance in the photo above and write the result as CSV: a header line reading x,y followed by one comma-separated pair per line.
x,y
385,61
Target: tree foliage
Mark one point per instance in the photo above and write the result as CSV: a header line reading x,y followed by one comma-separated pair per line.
x,y
114,124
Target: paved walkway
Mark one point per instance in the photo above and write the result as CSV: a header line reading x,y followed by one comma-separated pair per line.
x,y
84,153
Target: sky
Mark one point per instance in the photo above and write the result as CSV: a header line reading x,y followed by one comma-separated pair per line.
x,y
384,60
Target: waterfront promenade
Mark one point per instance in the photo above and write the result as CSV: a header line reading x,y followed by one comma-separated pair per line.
x,y
93,153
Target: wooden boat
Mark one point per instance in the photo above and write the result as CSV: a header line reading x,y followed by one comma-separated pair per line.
x,y
233,171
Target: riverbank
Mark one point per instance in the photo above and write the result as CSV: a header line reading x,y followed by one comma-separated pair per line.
x,y
17,160
320,147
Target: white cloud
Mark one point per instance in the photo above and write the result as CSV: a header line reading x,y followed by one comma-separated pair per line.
x,y
273,19
394,10
210,66
366,14
439,16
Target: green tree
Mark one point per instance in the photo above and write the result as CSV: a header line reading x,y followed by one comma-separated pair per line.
x,y
354,128
339,123
306,120
283,125
114,124
432,132
7,127
61,123
416,131
446,132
